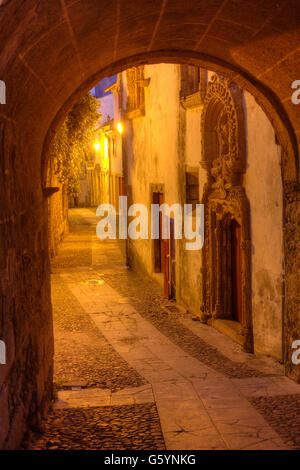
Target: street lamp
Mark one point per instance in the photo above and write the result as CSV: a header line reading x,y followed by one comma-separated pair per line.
x,y
120,128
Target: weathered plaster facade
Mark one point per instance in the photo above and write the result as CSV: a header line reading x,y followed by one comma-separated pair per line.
x,y
263,184
152,149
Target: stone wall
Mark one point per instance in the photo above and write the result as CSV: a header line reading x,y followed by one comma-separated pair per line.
x,y
292,263
25,307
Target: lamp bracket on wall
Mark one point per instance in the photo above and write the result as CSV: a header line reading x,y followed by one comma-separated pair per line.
x,y
47,192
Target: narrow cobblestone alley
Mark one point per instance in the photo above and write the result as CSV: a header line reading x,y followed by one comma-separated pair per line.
x,y
136,371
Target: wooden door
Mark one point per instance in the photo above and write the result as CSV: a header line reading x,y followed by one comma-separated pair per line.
x,y
236,263
121,186
168,262
162,248
158,198
172,279
166,267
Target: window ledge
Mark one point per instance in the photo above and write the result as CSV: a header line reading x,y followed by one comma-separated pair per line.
x,y
192,101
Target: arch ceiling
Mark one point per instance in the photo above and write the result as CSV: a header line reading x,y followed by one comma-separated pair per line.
x,y
52,50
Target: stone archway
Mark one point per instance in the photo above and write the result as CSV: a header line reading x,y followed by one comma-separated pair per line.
x,y
54,51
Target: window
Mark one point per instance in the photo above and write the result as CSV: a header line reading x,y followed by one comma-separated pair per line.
x,y
192,188
190,80
135,105
193,86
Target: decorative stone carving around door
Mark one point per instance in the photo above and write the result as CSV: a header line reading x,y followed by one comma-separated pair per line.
x,y
226,205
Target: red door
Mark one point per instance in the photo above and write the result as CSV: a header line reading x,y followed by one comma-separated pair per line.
x,y
162,248
158,198
172,261
166,267
168,261
121,186
236,257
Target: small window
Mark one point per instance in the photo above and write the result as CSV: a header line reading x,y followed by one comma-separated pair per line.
x,y
135,105
192,188
190,80
193,86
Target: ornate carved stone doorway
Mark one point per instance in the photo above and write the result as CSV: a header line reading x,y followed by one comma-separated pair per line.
x,y
226,282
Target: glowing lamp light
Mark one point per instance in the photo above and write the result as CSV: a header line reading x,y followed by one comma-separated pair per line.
x,y
97,146
120,127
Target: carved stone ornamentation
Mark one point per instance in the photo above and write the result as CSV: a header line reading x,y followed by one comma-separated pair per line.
x,y
226,206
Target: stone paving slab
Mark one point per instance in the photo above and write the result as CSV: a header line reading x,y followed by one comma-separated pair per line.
x,y
103,397
212,402
243,412
183,416
253,442
83,398
267,386
194,440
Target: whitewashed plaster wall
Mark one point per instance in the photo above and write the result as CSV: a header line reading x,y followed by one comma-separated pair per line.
x,y
152,142
264,189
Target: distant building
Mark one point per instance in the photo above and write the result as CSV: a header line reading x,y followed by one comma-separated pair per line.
x,y
102,177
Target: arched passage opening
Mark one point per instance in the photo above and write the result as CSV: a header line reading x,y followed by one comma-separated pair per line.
x,y
224,37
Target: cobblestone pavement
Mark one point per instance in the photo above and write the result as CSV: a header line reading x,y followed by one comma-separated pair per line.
x,y
282,413
120,345
130,427
82,354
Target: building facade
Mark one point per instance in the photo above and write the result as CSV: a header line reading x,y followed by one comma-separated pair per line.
x,y
102,176
192,136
